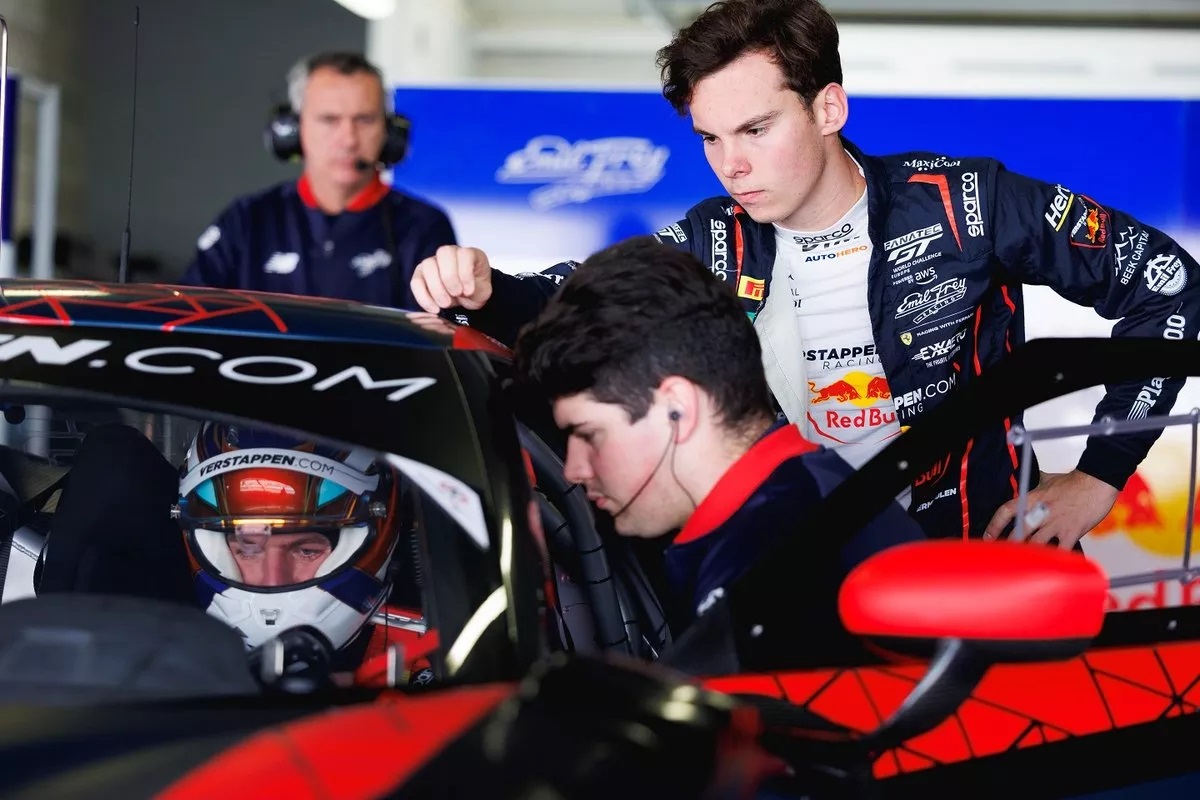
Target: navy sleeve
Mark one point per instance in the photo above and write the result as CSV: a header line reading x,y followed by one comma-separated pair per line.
x,y
216,258
1099,256
518,299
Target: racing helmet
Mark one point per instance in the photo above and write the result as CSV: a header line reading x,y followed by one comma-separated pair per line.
x,y
282,532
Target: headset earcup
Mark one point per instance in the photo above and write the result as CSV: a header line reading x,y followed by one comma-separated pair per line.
x,y
282,134
395,144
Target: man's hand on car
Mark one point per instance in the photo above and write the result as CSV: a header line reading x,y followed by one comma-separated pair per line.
x,y
1071,504
454,276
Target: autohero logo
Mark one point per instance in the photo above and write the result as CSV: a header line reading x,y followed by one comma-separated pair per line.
x,y
924,305
971,206
1060,204
940,162
839,254
912,245
579,171
720,249
1166,274
184,360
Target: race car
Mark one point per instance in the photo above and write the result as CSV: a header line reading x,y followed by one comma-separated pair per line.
x,y
568,687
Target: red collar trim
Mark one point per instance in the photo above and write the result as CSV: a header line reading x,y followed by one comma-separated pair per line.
x,y
370,195
742,479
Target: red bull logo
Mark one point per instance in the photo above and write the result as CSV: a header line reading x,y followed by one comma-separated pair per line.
x,y
858,389
838,390
1150,515
1093,224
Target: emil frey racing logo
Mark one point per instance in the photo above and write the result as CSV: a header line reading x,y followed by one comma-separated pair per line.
x,y
588,168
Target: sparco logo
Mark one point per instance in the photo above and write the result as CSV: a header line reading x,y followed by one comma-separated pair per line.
x,y
720,250
809,242
910,245
183,361
970,191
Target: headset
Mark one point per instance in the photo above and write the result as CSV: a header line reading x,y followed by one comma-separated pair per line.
x,y
282,136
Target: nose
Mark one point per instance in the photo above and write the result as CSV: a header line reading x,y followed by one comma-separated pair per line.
x,y
576,469
276,568
348,133
733,161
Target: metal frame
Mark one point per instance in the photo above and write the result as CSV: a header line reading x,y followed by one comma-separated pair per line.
x,y
1025,437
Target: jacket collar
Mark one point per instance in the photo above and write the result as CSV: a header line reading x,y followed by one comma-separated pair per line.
x,y
782,441
369,196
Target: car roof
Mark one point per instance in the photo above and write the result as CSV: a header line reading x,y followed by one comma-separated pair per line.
x,y
169,307
413,384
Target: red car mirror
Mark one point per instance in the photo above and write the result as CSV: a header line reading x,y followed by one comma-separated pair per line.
x,y
1013,596
983,602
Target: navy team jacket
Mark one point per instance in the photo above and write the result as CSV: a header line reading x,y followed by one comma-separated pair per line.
x,y
278,240
759,500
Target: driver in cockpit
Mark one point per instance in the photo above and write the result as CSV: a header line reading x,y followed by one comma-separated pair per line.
x,y
283,533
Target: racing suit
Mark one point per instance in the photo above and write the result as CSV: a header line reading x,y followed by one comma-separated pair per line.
x,y
279,240
754,504
979,233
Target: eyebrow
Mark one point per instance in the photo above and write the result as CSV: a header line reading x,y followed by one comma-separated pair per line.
x,y
753,122
312,538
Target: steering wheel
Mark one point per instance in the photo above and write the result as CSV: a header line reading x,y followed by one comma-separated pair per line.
x,y
626,614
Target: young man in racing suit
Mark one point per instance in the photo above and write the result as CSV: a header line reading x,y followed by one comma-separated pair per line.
x,y
655,376
879,286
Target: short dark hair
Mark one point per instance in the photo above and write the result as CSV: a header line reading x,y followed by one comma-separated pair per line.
x,y
800,36
635,313
344,62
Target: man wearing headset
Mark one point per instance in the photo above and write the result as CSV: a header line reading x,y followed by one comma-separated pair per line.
x,y
655,376
339,231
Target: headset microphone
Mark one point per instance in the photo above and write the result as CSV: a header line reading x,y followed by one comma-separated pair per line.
x,y
674,416
362,165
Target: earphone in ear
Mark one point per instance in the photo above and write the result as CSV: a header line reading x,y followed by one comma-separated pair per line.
x,y
675,415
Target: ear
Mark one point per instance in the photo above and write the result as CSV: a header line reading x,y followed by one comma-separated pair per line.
x,y
680,401
831,109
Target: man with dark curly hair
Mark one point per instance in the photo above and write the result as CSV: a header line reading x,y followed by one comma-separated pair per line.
x,y
655,376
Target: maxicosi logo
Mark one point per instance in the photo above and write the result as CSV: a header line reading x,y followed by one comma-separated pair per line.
x,y
262,370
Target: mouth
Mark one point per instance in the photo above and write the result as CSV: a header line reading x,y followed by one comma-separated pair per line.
x,y
748,197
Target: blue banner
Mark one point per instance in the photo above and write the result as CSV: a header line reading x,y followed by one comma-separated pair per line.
x,y
534,176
